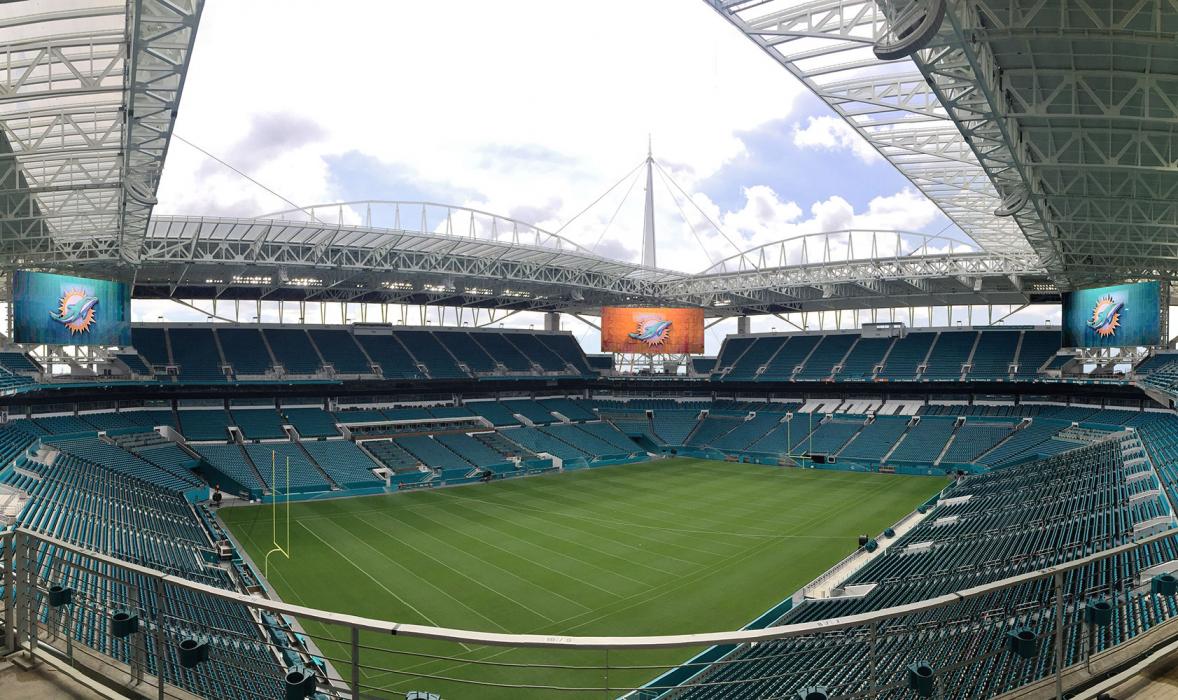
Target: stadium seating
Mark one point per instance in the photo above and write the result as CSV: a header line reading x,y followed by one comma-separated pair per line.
x,y
311,422
994,355
392,456
340,350
569,351
431,453
468,353
91,450
386,351
673,427
152,344
830,436
204,424
747,432
711,428
16,362
906,356
228,466
134,363
539,353
757,355
360,415
924,441
997,530
568,408
259,424
730,352
245,349
537,441
111,420
274,459
61,425
609,434
293,350
472,450
1037,347
590,442
503,351
344,462
450,412
876,439
973,439
830,351
791,355
497,413
428,351
862,360
950,351
195,351
529,409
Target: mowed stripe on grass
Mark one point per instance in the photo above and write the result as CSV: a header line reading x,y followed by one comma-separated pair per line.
x,y
665,547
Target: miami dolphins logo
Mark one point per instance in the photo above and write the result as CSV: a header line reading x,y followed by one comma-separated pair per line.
x,y
652,330
75,310
1106,316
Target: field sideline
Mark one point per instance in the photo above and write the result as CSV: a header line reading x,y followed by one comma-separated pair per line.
x,y
664,547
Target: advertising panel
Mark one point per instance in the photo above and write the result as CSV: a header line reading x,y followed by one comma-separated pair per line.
x,y
53,309
652,331
1124,315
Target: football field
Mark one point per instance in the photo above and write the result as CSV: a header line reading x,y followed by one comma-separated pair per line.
x,y
665,547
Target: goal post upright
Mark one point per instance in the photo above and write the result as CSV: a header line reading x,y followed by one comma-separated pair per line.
x,y
283,549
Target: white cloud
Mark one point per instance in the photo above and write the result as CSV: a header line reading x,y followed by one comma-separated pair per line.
x,y
832,133
524,115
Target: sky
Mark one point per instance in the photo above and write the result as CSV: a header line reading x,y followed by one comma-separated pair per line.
x,y
531,109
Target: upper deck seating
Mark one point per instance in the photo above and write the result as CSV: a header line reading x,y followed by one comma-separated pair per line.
x,y
293,349
339,349
394,360
428,351
951,351
502,350
829,351
195,351
245,350
867,354
994,355
906,356
1037,348
152,344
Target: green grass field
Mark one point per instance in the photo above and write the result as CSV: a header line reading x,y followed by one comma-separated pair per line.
x,y
665,547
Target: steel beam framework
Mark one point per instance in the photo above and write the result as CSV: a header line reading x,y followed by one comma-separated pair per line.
x,y
226,259
88,98
828,46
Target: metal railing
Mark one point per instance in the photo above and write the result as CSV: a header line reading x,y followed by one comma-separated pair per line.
x,y
133,626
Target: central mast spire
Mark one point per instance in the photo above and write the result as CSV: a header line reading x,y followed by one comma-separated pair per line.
x,y
648,257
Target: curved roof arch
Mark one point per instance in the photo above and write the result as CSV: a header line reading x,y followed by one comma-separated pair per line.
x,y
432,217
840,246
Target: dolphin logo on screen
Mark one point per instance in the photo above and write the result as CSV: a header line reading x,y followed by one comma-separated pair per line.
x,y
1106,316
76,310
652,330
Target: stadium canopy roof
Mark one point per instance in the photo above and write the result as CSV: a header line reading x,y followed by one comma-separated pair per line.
x,y
436,254
1045,126
88,96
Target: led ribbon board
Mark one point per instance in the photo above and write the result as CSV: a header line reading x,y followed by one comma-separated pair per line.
x,y
53,309
1124,315
652,331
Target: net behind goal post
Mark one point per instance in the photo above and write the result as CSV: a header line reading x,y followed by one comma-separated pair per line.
x,y
280,501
